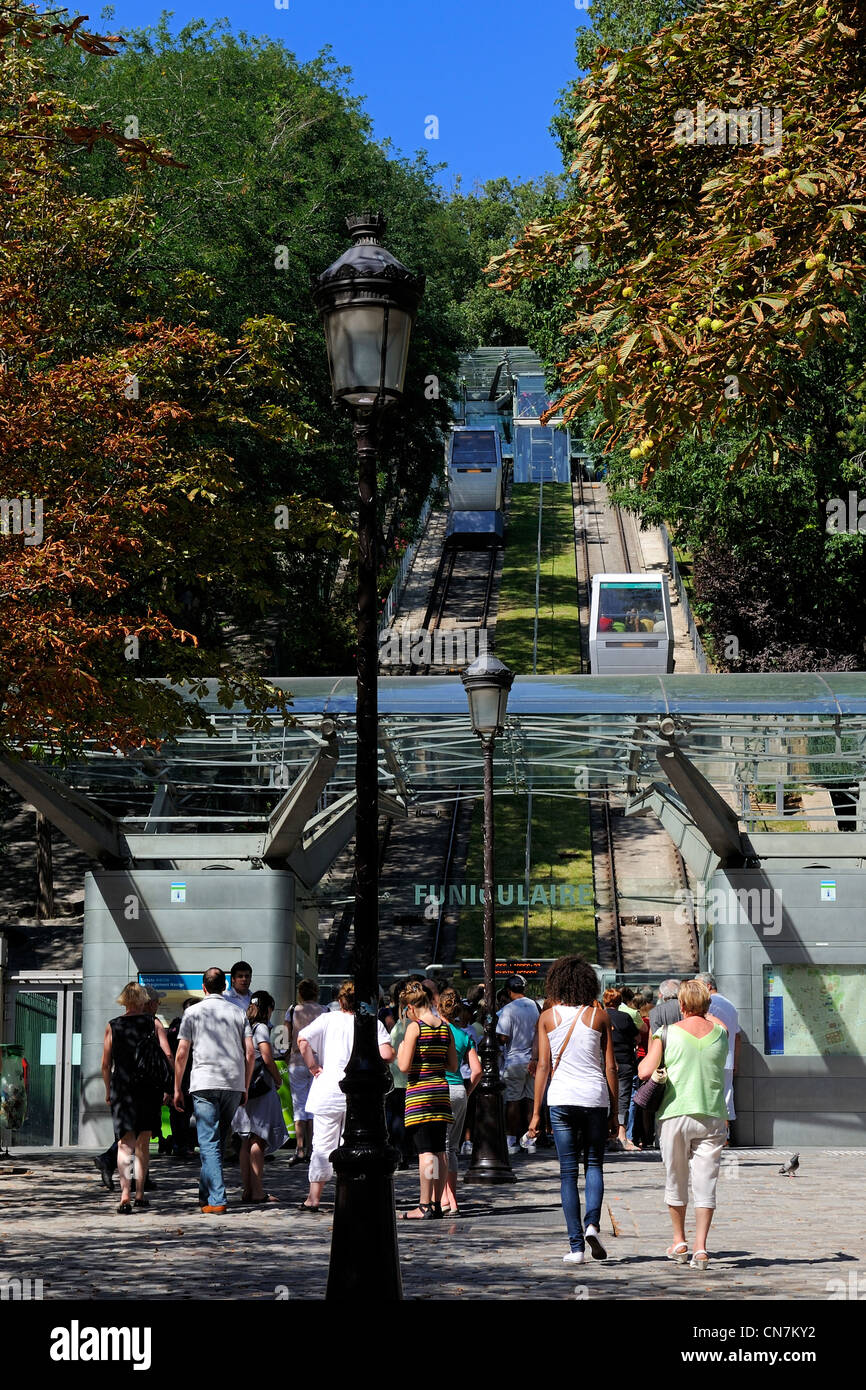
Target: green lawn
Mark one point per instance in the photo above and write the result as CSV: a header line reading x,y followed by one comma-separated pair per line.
x,y
560,826
558,618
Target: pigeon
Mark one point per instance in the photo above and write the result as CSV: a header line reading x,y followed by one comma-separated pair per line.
x,y
789,1169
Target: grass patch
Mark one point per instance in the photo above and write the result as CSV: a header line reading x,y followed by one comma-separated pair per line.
x,y
559,825
558,615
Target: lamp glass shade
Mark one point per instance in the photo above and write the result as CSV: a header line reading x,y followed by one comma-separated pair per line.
x,y
487,707
354,334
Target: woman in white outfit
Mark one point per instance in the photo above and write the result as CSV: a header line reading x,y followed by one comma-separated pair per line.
x,y
573,1037
326,1046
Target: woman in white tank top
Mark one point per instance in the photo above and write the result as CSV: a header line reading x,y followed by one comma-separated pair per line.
x,y
575,1053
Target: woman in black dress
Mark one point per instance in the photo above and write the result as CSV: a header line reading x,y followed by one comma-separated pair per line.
x,y
625,1036
135,1103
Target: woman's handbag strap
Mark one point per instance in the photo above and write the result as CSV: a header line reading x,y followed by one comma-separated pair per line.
x,y
565,1044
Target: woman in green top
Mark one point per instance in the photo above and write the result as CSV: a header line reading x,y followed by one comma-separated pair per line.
x,y
692,1117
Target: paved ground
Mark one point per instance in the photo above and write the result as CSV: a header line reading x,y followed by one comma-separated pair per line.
x,y
774,1237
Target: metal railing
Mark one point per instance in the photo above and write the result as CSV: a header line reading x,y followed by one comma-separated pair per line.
x,y
697,644
395,593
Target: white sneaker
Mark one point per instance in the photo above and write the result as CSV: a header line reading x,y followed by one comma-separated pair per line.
x,y
595,1245
574,1257
466,1151
513,1146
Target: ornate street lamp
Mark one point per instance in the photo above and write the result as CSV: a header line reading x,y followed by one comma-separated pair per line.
x,y
487,683
367,302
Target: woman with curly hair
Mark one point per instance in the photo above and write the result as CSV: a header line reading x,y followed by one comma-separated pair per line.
x,y
573,1035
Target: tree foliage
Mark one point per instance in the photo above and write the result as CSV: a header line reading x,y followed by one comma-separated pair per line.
x,y
277,154
711,260
119,435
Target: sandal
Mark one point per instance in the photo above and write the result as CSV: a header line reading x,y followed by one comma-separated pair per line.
x,y
125,1209
303,1207
679,1253
141,1202
696,1262
262,1201
428,1212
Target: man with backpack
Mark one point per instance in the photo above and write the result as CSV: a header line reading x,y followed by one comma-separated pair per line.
x,y
222,1064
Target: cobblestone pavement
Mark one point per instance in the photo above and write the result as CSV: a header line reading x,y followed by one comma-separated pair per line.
x,y
773,1237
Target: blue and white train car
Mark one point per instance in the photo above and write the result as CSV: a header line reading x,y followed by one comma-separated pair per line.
x,y
475,487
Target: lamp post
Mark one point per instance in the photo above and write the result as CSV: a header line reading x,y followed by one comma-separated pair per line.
x,y
487,683
367,302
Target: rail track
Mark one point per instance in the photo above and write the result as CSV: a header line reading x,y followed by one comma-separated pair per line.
x,y
459,609
602,545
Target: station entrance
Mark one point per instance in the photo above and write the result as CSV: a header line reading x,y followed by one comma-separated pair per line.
x,y
236,846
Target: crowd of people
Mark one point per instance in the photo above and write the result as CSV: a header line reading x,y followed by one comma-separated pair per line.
x,y
586,1075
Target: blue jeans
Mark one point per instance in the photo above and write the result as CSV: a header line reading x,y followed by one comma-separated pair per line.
x,y
629,1126
580,1130
214,1112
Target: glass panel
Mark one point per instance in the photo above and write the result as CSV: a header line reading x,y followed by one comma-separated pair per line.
x,y
75,1068
485,704
355,351
630,607
36,1032
532,398
399,328
474,447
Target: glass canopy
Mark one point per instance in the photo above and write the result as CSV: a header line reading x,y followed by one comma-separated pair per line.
x,y
565,736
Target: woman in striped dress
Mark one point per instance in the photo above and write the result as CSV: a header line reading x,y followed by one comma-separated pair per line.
x,y
426,1053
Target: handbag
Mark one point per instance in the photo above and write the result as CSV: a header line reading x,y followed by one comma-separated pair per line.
x,y
152,1067
649,1094
260,1081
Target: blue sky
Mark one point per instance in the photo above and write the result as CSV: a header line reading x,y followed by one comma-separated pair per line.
x,y
489,70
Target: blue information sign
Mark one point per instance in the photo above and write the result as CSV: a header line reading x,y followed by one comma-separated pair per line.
x,y
187,982
774,1025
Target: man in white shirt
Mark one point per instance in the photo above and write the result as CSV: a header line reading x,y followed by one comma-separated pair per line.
x,y
222,1064
517,1028
726,1013
239,991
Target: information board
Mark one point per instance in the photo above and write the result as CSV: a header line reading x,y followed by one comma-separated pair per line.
x,y
814,1010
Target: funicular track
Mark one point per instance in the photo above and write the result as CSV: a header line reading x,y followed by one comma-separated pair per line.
x,y
627,940
460,602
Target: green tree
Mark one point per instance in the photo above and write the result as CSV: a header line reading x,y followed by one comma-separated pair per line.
x,y
277,154
119,438
716,332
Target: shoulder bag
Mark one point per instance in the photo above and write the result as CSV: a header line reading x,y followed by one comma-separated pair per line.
x,y
649,1093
